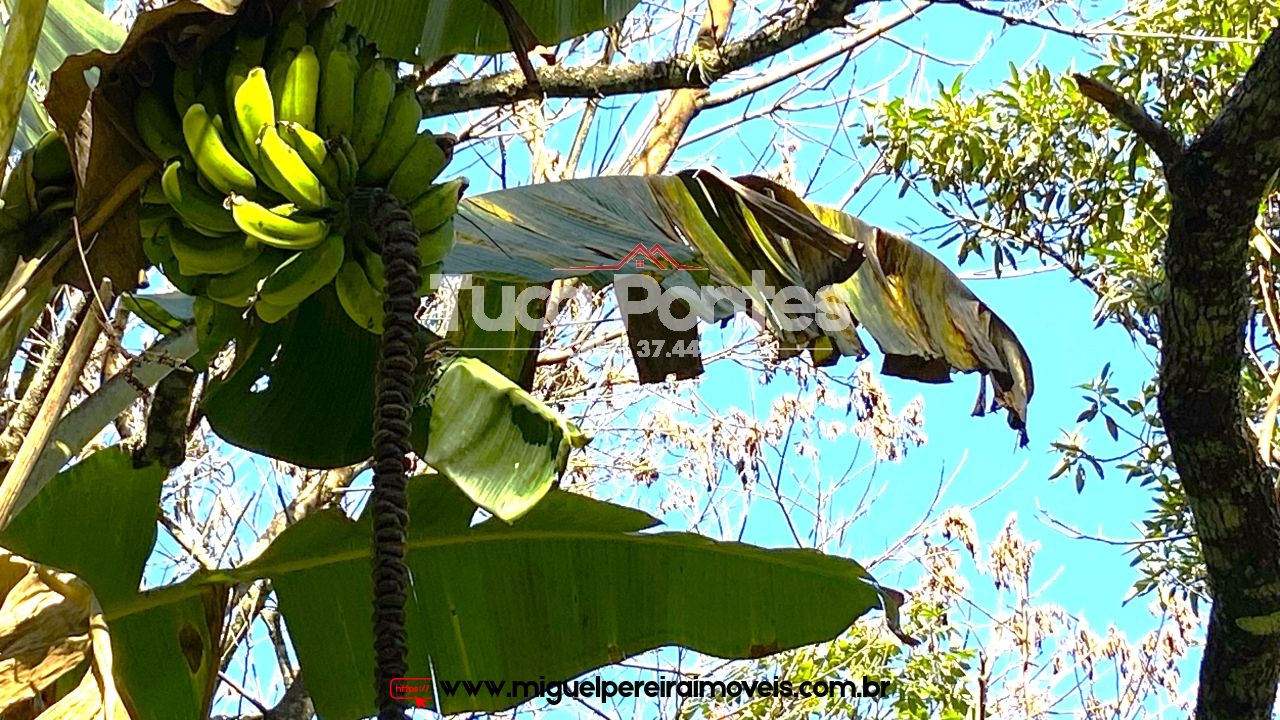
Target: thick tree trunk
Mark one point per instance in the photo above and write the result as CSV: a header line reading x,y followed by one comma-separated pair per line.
x,y
1228,487
1216,187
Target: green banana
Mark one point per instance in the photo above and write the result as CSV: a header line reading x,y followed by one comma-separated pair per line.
x,y
200,255
152,217
253,109
276,77
437,204
204,212
287,173
275,229
50,161
374,91
373,267
246,54
301,86
157,126
435,244
398,135
304,273
419,168
249,47
347,163
314,151
238,288
291,35
155,242
270,312
358,297
232,146
211,155
153,194
186,87
189,284
242,148
325,32
214,68
337,93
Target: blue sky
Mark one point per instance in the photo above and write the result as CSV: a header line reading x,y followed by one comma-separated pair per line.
x,y
1052,316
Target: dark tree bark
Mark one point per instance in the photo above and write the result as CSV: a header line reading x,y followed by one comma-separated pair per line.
x,y
1216,186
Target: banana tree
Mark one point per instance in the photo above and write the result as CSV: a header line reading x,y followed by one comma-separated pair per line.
x,y
487,597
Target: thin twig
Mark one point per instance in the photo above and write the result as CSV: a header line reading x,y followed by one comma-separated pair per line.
x,y
262,708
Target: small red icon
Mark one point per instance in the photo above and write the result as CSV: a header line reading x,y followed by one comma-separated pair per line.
x,y
417,689
656,256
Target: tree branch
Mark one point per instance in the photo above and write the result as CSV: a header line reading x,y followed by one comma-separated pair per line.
x,y
695,69
684,104
1167,147
1216,189
294,705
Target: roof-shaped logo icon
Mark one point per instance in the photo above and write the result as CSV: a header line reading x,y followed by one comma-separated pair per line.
x,y
641,258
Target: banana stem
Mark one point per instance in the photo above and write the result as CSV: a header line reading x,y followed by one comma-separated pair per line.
x,y
19,50
393,409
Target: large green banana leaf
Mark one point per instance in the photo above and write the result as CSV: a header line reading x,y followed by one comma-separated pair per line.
x,y
428,29
921,315
573,585
70,27
302,391
97,520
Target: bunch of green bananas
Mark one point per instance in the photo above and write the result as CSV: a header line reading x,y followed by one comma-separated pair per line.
x,y
38,188
264,144
37,196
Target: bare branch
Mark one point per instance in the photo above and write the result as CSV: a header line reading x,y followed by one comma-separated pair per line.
x,y
1158,137
695,69
851,42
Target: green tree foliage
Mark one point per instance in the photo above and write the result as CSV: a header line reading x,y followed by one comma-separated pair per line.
x,y
1036,171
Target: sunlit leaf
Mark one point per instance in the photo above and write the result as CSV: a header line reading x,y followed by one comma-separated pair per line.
x,y
491,601
430,29
70,27
924,319
501,445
